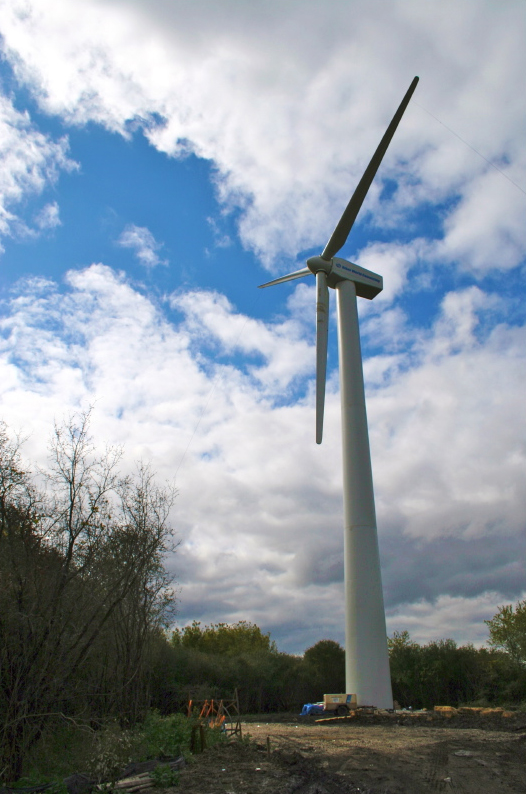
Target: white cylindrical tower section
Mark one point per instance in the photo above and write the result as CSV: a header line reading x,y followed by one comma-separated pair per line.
x,y
366,656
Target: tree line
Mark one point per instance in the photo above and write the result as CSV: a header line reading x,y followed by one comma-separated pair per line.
x,y
86,604
210,661
442,673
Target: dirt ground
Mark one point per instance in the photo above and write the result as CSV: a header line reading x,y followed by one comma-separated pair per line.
x,y
369,755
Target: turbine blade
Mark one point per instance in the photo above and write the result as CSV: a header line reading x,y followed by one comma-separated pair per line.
x,y
322,330
345,224
290,277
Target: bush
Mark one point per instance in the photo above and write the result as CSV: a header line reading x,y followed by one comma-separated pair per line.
x,y
163,776
102,754
165,737
112,750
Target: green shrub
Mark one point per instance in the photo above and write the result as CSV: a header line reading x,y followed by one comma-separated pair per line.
x,y
102,754
163,776
61,750
165,737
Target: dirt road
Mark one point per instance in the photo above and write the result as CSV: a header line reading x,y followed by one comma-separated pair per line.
x,y
366,758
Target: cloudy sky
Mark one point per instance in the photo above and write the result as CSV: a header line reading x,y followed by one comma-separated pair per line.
x,y
161,158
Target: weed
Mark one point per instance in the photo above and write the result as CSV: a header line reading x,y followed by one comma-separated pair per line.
x,y
112,749
163,776
35,781
102,754
246,740
165,737
61,751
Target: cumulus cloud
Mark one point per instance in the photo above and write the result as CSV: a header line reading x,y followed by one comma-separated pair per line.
x,y
31,162
143,244
289,103
287,355
259,511
449,402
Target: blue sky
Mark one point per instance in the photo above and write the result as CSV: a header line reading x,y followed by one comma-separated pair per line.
x,y
160,160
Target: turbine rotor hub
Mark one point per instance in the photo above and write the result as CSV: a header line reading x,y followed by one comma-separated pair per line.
x,y
317,263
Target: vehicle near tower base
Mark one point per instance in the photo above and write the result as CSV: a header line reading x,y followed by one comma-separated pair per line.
x,y
332,705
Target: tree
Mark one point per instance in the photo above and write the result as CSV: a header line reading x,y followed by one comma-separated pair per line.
x,y
212,661
324,667
83,585
223,638
507,631
441,673
405,662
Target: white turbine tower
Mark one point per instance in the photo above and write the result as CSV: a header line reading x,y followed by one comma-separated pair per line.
x,y
366,657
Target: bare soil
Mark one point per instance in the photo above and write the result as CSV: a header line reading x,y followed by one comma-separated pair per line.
x,y
371,754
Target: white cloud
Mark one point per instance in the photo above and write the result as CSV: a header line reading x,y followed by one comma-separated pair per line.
x,y
447,617
48,217
31,162
289,101
487,229
259,511
287,356
449,454
144,245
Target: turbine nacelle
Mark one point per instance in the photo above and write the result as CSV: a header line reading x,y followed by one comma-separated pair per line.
x,y
368,284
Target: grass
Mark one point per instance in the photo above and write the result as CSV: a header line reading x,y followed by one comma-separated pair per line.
x,y
67,748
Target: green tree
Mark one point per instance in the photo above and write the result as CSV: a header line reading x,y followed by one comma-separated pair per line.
x,y
225,639
405,662
507,631
212,661
324,668
440,673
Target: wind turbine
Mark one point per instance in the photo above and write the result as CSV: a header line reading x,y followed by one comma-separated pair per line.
x,y
366,657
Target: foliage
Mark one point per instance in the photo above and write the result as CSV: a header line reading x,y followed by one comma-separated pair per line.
x,y
103,753
324,665
64,747
441,673
267,681
83,588
507,631
165,737
163,776
212,661
112,749
170,736
222,638
31,782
